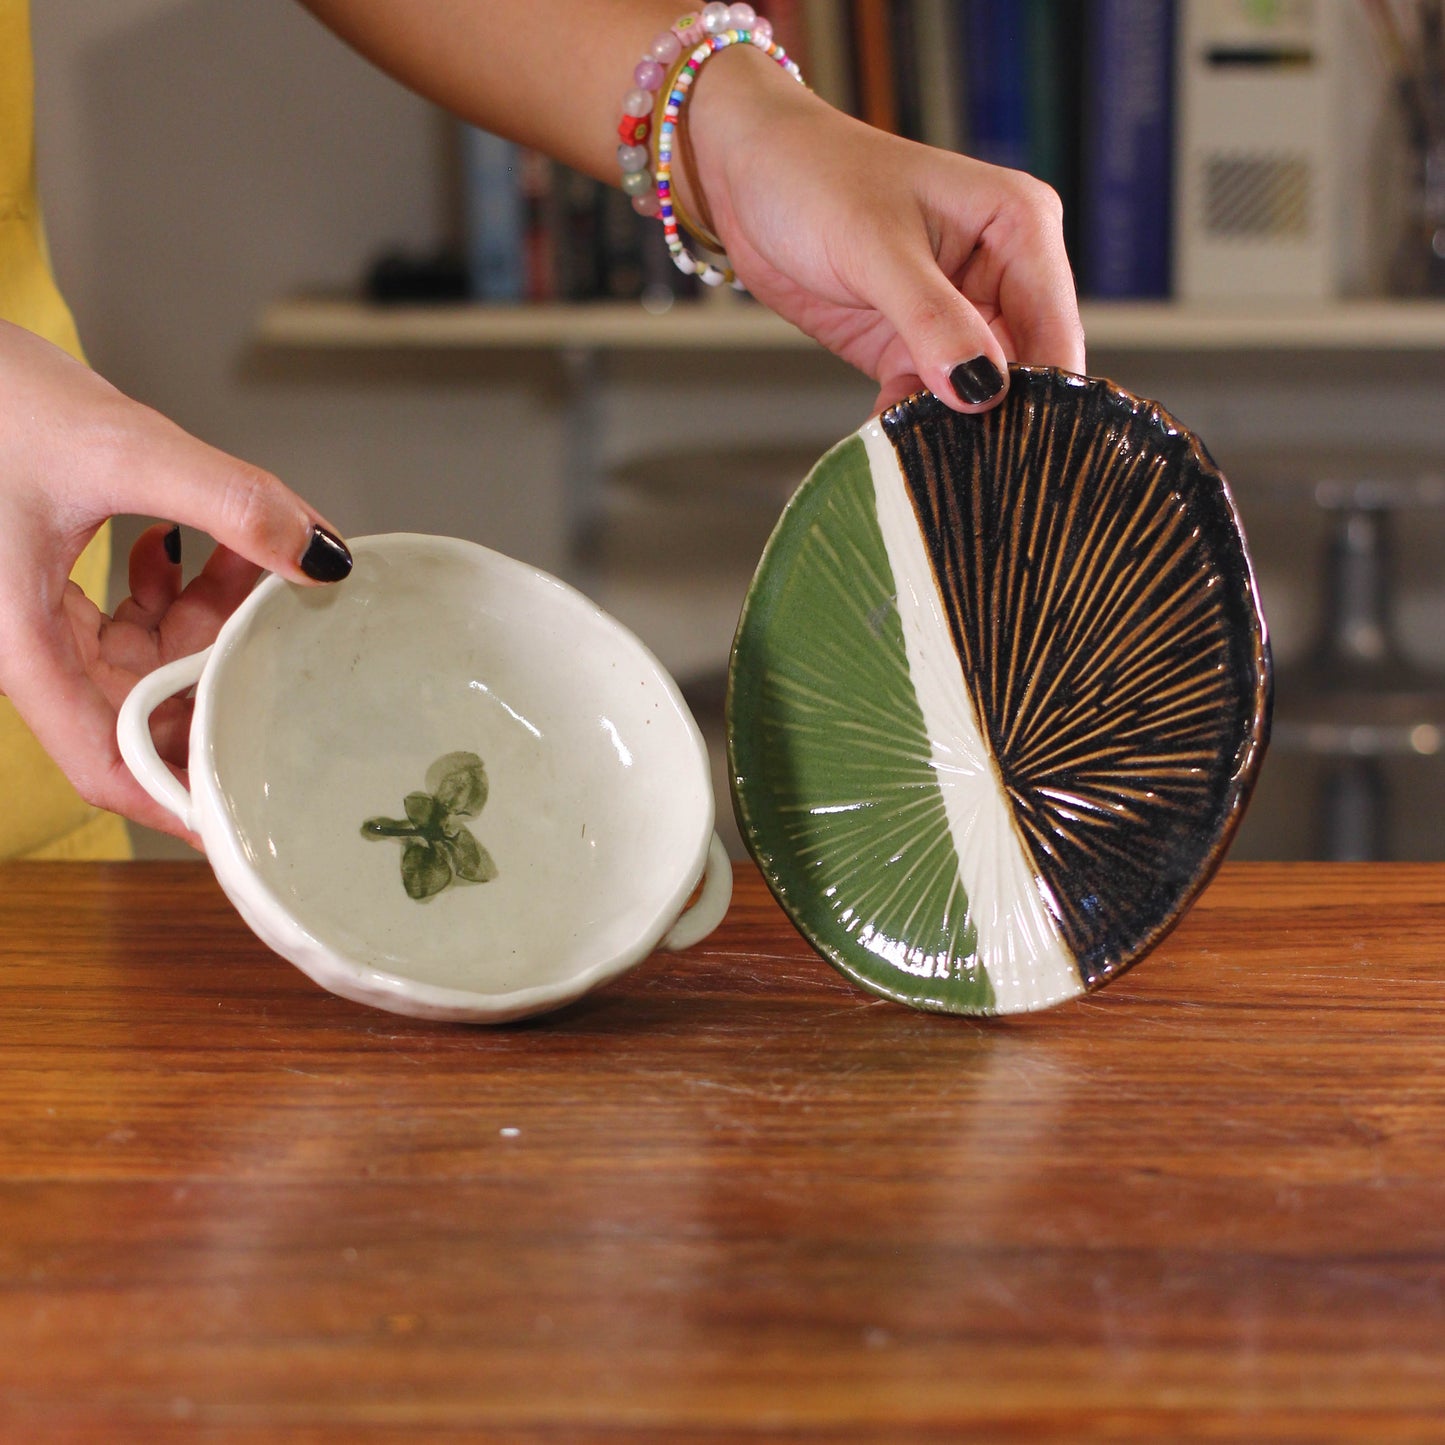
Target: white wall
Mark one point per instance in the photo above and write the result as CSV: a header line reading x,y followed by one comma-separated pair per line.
x,y
200,157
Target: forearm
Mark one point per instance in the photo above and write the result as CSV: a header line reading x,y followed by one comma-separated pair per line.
x,y
548,73
914,264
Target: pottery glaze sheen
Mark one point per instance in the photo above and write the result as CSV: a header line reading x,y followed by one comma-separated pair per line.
x,y
999,694
450,786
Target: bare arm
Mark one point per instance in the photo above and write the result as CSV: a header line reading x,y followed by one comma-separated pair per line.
x,y
550,74
917,266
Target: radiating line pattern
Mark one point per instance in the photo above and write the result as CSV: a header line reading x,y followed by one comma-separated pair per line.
x,y
1019,941
830,761
1105,615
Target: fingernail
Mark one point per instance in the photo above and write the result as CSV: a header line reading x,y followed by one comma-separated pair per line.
x,y
172,543
327,558
976,381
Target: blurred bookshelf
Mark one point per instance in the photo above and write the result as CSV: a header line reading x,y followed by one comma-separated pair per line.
x,y
667,543
323,323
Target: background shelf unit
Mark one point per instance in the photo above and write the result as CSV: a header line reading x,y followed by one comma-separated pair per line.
x,y
339,323
1269,386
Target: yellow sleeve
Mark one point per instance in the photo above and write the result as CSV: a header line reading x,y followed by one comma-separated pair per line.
x,y
43,816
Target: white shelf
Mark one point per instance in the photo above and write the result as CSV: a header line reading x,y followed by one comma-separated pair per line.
x,y
320,323
314,323
1375,325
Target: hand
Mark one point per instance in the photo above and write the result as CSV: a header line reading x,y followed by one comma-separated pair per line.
x,y
918,266
73,452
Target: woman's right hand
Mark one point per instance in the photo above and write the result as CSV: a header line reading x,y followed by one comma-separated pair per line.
x,y
918,266
73,452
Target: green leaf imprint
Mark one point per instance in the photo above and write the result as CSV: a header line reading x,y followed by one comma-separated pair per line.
x,y
424,870
387,828
459,782
471,862
439,848
425,812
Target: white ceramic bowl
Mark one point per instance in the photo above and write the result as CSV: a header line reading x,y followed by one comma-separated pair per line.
x,y
319,710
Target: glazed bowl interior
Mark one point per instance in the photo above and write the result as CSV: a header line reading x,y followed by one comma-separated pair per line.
x,y
330,705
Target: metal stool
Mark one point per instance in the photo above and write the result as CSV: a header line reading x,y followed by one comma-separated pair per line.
x,y
1357,701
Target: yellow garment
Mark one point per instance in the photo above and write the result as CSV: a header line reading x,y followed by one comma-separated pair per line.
x,y
41,814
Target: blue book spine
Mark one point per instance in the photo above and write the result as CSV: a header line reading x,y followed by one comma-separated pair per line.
x,y
994,38
496,217
1128,149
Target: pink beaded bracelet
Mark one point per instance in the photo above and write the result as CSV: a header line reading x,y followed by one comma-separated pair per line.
x,y
713,29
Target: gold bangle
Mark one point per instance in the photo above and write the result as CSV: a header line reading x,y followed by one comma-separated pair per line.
x,y
665,137
702,233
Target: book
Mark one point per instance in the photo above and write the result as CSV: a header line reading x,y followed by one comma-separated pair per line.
x,y
1054,42
537,259
873,64
1043,114
620,237
573,215
1125,201
936,75
790,30
495,220
827,27
992,38
662,283
903,42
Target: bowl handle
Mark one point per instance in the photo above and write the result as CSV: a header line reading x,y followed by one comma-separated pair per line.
x,y
710,904
133,733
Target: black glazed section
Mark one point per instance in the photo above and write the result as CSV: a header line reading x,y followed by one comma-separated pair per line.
x,y
1104,610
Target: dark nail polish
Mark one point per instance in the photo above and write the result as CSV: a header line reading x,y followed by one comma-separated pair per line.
x,y
976,381
172,543
327,557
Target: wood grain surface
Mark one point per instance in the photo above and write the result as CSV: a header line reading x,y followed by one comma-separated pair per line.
x,y
728,1198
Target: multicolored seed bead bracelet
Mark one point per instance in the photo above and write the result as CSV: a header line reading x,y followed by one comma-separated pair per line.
x,y
666,71
652,80
683,259
682,156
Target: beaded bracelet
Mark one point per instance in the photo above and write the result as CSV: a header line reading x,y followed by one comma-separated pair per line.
x,y
710,274
682,151
651,83
714,28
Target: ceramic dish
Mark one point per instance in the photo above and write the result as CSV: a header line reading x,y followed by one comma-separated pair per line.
x,y
999,694
450,786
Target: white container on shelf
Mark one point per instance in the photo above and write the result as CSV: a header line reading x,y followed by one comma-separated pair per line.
x,y
1278,117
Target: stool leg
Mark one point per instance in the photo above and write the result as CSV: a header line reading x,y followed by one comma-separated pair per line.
x,y
1354,808
1357,588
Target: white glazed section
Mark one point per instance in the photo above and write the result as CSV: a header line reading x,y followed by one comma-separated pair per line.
x,y
1019,943
321,707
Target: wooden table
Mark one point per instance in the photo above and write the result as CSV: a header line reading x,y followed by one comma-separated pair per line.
x,y
728,1198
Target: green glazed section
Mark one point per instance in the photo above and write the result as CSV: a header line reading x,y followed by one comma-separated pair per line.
x,y
831,772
